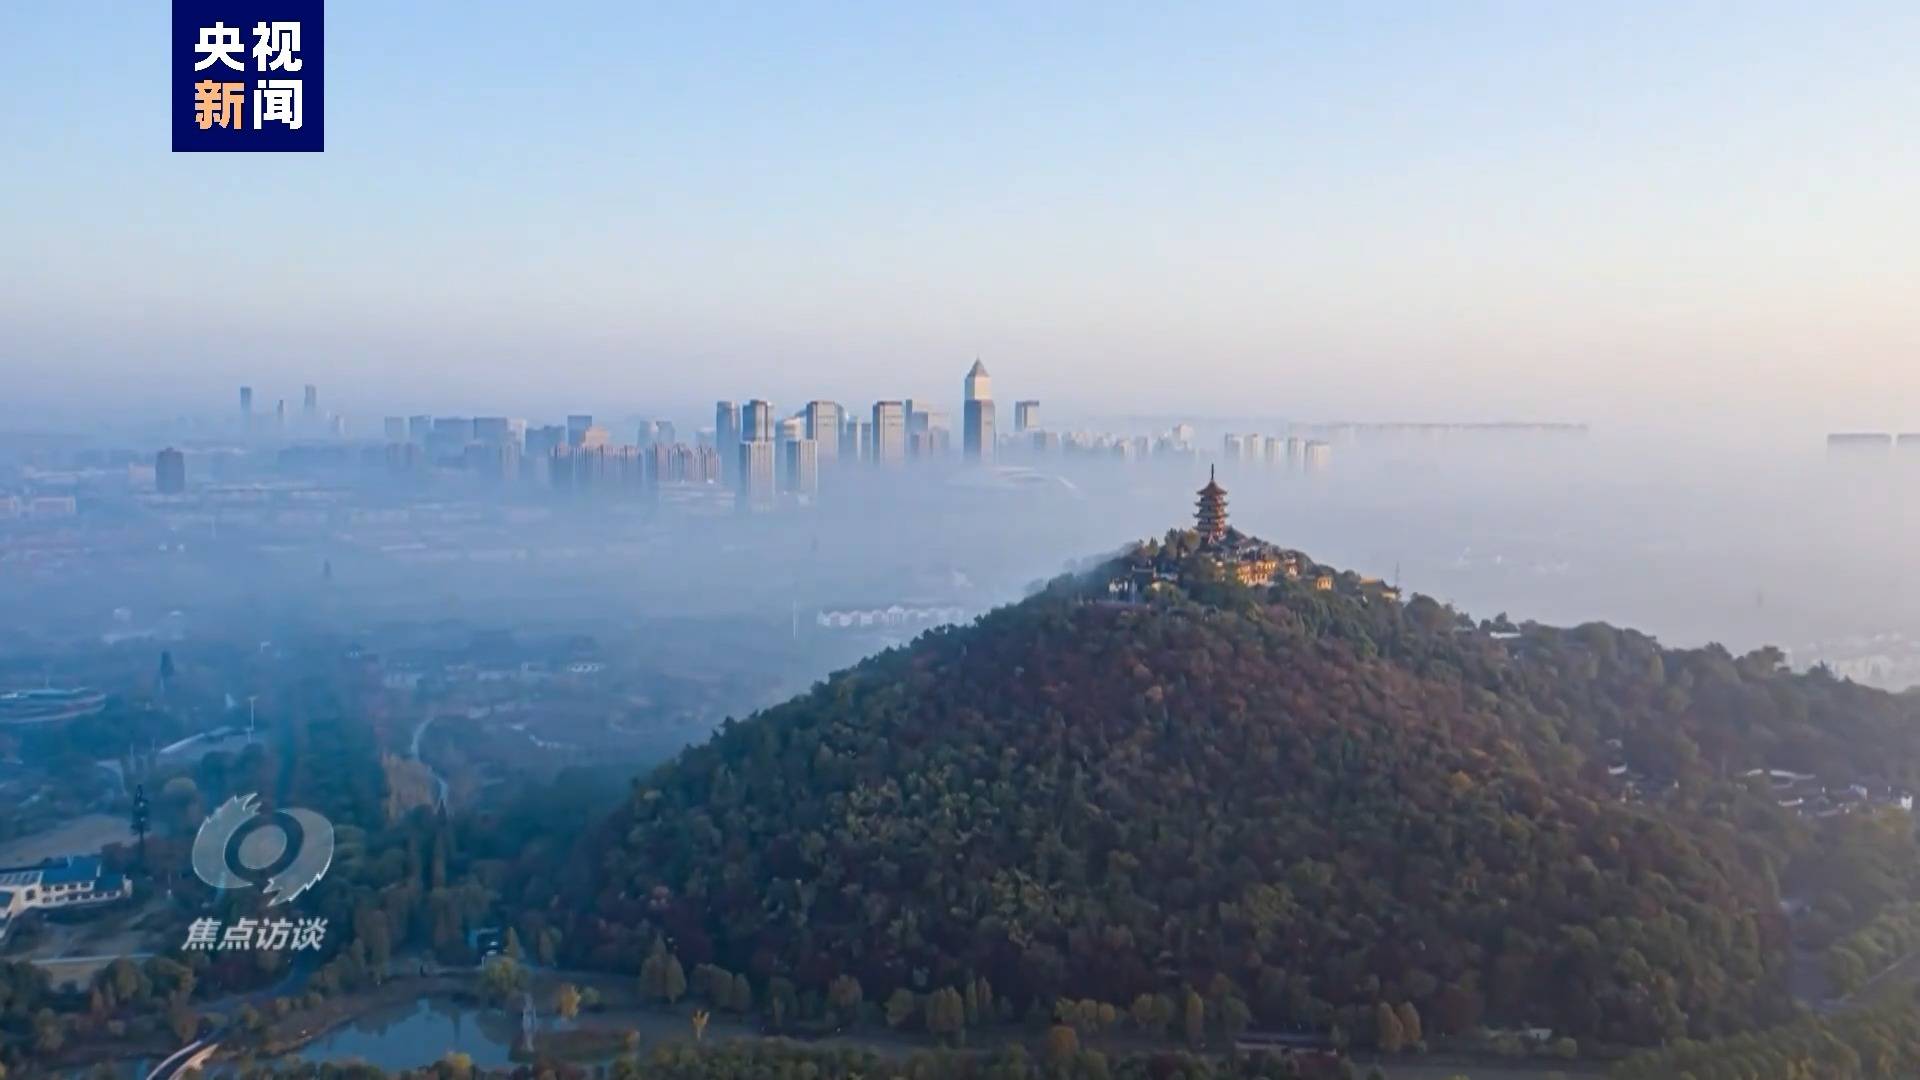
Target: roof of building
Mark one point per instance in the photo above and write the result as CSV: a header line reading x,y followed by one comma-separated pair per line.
x,y
978,368
1213,486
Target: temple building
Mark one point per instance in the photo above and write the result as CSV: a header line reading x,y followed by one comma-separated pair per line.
x,y
1210,512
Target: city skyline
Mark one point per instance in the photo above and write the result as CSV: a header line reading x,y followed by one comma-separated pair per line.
x,y
1477,213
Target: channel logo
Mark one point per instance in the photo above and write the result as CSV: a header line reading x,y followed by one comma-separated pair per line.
x,y
282,852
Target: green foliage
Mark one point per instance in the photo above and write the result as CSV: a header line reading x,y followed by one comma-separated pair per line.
x,y
1883,1041
1337,800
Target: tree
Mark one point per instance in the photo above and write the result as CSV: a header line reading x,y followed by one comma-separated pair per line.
x,y
843,993
947,1014
1387,1034
501,979
1194,1016
1063,1043
566,1001
900,1007
700,1018
1410,1024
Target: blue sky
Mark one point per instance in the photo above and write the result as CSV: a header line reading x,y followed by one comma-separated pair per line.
x,y
1597,211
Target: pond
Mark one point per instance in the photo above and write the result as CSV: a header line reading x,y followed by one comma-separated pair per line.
x,y
419,1033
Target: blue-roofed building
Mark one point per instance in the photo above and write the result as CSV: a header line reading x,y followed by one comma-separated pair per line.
x,y
69,881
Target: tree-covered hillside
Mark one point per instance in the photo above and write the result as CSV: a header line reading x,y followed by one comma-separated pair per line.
x,y
1304,803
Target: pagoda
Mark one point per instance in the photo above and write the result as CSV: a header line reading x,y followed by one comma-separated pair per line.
x,y
1210,511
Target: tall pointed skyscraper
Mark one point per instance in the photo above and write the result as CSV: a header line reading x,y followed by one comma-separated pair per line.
x,y
977,421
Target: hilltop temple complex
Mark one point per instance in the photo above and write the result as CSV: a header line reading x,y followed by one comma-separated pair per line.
x,y
1249,560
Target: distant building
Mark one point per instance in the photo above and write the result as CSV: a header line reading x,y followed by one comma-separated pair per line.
x,y
310,403
653,432
1026,416
977,422
726,432
280,415
170,472
756,421
492,430
419,429
856,440
823,427
800,466
754,479
395,429
793,427
577,427
889,432
1316,455
595,437
52,506
246,407
1859,443
542,441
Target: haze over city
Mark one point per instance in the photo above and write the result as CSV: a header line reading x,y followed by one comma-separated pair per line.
x,y
1673,217
963,541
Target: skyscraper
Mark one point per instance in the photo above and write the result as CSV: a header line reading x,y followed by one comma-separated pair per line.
x,y
756,421
246,407
419,429
170,472
800,466
577,425
754,486
280,415
1026,416
856,440
310,404
823,427
978,421
889,432
396,429
726,434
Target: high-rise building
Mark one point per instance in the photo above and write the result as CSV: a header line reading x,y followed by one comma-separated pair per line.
x,y
800,466
395,428
541,441
492,430
726,433
594,437
1026,416
310,403
756,421
577,425
889,432
755,475
823,427
246,407
280,415
656,431
704,465
419,429
977,423
856,440
170,472
1316,455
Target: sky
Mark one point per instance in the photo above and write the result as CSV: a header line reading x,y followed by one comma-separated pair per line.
x,y
1676,215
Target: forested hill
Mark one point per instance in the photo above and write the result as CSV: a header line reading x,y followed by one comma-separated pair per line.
x,y
1302,803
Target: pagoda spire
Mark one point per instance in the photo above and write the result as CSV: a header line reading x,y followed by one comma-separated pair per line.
x,y
1210,511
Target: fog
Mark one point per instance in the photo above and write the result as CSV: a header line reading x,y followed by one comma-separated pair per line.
x,y
1792,545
